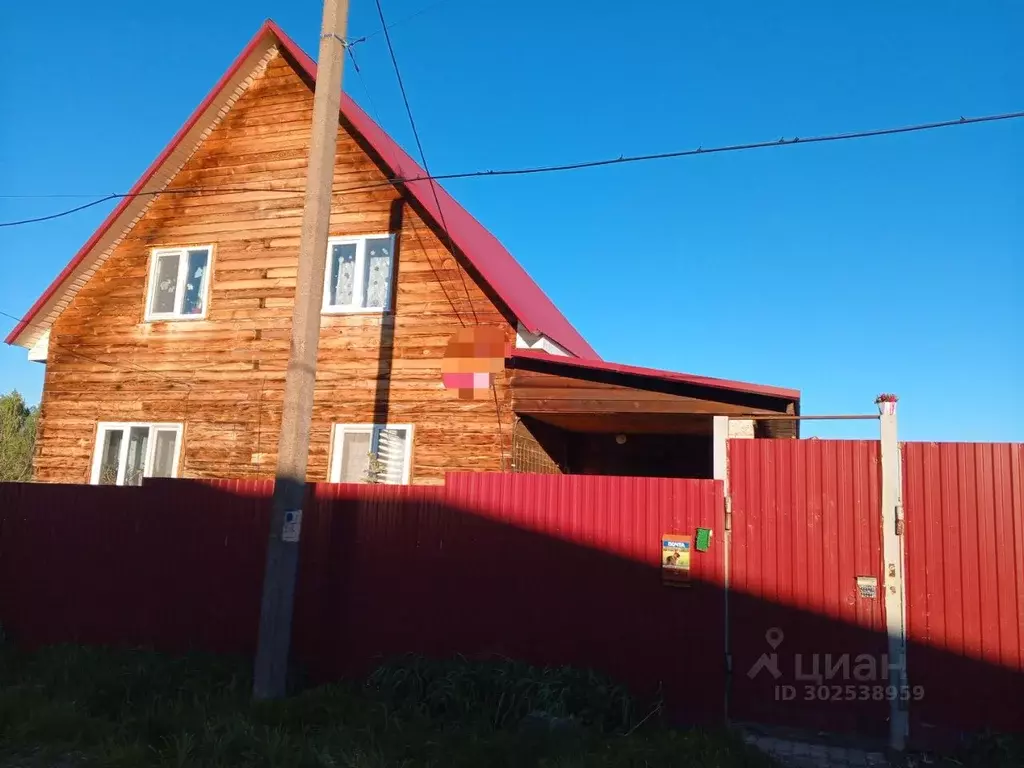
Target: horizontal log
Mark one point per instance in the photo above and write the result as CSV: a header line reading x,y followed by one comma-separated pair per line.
x,y
204,374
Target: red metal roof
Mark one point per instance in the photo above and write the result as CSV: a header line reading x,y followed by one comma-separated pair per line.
x,y
486,254
654,373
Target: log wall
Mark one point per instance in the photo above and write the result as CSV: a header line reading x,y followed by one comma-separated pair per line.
x,y
223,377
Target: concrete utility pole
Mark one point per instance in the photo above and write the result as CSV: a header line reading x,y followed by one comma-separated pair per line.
x,y
271,668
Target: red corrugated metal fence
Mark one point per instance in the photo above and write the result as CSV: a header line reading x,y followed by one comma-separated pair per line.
x,y
175,565
566,570
550,569
805,525
964,511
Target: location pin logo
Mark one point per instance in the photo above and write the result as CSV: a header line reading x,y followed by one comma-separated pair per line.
x,y
774,637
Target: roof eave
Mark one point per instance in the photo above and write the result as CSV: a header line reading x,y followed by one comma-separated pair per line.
x,y
779,393
525,299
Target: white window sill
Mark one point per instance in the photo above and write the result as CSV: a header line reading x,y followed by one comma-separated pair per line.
x,y
174,318
354,311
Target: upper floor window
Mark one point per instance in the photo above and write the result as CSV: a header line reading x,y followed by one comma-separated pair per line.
x,y
359,273
179,283
126,452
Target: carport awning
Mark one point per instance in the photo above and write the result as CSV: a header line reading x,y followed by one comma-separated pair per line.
x,y
595,396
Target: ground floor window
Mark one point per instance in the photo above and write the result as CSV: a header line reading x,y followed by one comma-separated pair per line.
x,y
371,453
127,452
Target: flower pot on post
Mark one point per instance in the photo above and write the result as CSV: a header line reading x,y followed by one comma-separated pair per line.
x,y
886,404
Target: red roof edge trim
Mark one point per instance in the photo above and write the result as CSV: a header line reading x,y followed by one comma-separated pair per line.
x,y
499,269
108,222
661,375
488,257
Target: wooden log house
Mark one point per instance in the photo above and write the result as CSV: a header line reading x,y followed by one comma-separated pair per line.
x,y
166,337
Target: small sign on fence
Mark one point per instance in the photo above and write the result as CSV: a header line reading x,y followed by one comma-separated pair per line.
x,y
675,560
867,587
292,527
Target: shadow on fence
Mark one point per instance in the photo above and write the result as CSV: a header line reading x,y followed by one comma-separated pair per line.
x,y
177,565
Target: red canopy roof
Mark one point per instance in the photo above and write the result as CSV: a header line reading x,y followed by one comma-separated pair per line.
x,y
654,373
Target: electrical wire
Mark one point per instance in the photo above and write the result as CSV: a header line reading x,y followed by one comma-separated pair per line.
x,y
423,158
359,74
621,160
782,142
394,24
440,211
52,216
97,361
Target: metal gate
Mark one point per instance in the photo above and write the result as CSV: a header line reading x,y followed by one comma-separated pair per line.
x,y
806,617
965,588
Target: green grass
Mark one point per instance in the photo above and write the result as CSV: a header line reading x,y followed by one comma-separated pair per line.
x,y
71,707
988,750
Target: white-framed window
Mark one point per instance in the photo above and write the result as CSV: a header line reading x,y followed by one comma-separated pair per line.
x,y
126,452
353,446
179,283
359,273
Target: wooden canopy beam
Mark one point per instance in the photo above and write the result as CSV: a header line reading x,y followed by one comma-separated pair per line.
x,y
541,393
567,395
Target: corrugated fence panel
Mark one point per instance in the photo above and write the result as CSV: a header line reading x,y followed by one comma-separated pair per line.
x,y
566,570
173,565
549,569
806,523
964,510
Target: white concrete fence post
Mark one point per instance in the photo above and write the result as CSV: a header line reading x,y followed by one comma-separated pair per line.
x,y
892,578
720,471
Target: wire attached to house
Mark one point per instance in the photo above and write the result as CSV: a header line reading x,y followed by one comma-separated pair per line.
x,y
440,211
60,214
75,353
359,74
621,160
423,161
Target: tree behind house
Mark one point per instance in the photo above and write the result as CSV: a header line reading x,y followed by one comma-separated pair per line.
x,y
17,438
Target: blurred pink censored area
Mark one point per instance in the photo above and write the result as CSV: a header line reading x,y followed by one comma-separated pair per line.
x,y
473,358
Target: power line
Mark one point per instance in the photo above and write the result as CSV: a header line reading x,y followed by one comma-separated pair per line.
x,y
359,74
142,369
621,160
118,196
440,211
394,24
782,142
423,158
42,197
60,214
97,361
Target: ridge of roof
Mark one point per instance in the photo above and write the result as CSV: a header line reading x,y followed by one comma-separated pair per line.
x,y
655,373
498,268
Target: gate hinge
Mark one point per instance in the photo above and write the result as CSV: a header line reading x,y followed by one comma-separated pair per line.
x,y
728,513
899,519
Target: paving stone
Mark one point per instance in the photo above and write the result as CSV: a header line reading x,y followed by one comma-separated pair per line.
x,y
819,751
798,754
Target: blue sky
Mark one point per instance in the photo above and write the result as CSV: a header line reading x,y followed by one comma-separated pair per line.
x,y
892,264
